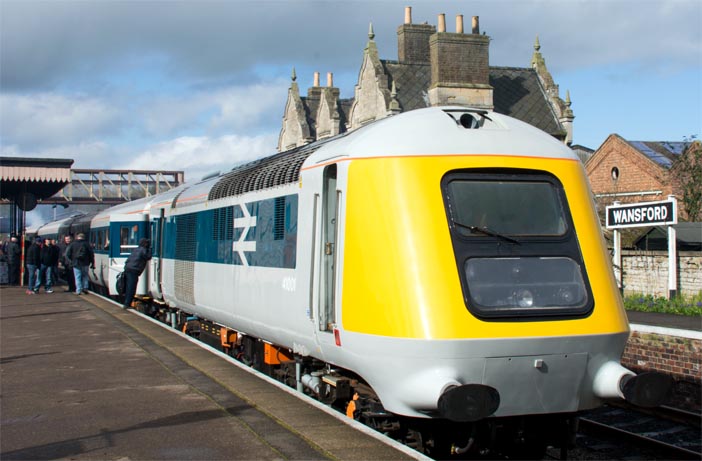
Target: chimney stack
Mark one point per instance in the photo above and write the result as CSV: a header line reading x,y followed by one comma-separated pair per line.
x,y
476,25
460,69
316,79
413,41
330,79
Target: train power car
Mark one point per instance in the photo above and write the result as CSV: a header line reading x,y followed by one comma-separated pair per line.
x,y
447,264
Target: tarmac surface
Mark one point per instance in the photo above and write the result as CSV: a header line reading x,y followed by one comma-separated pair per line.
x,y
658,319
84,379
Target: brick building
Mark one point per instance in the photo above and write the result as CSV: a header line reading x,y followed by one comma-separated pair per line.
x,y
433,67
635,171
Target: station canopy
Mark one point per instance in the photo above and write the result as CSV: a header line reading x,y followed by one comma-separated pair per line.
x,y
26,181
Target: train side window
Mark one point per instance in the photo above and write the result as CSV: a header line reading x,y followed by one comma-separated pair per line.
x,y
128,238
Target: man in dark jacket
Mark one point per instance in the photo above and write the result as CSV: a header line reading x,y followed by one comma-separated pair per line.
x,y
33,262
14,260
66,264
49,257
136,262
81,255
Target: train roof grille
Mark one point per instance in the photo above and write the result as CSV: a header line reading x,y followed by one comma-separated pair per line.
x,y
275,170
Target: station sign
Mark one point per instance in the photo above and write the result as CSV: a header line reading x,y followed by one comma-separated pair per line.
x,y
642,214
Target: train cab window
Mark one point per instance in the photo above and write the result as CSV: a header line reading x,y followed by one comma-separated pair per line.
x,y
516,250
506,207
128,238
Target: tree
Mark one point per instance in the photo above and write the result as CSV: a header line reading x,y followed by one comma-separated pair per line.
x,y
687,171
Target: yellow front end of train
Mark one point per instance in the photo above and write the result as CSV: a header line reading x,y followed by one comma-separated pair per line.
x,y
400,274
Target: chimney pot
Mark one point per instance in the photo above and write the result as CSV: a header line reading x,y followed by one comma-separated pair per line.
x,y
459,24
316,79
408,15
476,25
330,79
442,23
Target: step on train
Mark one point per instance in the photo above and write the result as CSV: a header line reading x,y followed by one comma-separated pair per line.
x,y
445,264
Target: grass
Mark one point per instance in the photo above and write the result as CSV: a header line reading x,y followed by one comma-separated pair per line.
x,y
681,305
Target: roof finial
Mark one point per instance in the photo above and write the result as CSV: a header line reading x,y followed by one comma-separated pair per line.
x,y
537,45
294,75
567,101
371,34
394,107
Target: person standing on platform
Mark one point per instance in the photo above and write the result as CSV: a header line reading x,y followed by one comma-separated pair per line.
x,y
49,258
33,263
81,255
13,260
66,264
133,268
54,268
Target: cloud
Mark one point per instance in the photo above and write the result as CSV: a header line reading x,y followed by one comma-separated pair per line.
x,y
244,107
96,154
46,119
217,111
43,44
200,155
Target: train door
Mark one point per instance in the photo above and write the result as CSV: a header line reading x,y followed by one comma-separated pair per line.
x,y
125,232
155,274
328,236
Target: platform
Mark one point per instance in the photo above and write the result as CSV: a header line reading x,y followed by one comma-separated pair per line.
x,y
83,379
670,321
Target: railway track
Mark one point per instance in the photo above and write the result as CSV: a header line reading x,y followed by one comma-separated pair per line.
x,y
665,433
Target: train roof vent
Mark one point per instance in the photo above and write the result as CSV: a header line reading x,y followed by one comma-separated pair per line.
x,y
470,119
276,170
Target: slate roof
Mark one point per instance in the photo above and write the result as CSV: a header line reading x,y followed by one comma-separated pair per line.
x,y
663,153
517,92
583,153
411,82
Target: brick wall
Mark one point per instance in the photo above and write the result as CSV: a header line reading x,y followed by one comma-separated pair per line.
x,y
678,357
646,272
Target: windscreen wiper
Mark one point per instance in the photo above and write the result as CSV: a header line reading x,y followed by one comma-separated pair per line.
x,y
484,230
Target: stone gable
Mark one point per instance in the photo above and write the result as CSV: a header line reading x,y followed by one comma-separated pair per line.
x,y
372,94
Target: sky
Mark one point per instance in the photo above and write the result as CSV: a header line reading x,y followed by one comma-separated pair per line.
x,y
201,86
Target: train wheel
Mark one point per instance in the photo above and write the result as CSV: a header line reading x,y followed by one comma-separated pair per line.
x,y
414,440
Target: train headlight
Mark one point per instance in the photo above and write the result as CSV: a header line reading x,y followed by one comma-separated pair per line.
x,y
524,298
566,296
